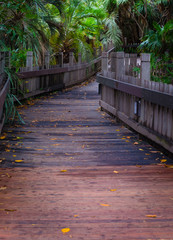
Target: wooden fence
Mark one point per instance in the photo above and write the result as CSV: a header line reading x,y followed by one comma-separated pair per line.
x,y
40,79
145,106
35,80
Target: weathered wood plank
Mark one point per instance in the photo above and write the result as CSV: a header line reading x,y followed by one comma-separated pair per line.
x,y
80,170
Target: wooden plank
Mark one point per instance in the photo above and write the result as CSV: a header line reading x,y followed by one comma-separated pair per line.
x,y
80,170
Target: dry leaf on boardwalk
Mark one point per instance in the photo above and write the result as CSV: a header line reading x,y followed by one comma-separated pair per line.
x,y
65,230
3,137
18,161
3,188
151,216
113,190
163,160
168,166
104,205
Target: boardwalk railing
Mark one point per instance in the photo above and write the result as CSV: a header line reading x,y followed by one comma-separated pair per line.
x,y
35,80
40,79
145,106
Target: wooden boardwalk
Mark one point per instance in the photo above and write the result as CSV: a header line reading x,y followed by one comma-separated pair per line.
x,y
72,168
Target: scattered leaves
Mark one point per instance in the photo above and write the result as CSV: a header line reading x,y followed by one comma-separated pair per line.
x,y
163,160
8,175
151,216
7,150
3,188
10,210
168,166
18,161
3,137
65,230
104,205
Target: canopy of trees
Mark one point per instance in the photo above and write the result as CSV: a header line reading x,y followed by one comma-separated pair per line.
x,y
80,25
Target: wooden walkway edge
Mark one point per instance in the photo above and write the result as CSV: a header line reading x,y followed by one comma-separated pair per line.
x,y
72,172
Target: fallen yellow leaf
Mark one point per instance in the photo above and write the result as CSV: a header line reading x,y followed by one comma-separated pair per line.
x,y
104,205
65,230
141,149
3,137
10,210
3,188
116,172
52,139
63,170
18,161
151,216
56,144
113,190
8,175
76,216
14,155
139,166
38,149
168,166
163,160
136,143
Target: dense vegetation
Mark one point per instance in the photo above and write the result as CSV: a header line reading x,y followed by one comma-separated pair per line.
x,y
80,25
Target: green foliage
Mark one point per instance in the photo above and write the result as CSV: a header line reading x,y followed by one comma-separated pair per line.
x,y
160,40
162,69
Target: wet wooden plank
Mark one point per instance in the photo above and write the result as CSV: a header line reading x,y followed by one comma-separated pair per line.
x,y
72,156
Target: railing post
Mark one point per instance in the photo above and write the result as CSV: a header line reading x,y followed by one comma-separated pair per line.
x,y
29,61
133,63
126,63
47,60
79,58
60,59
113,64
119,69
71,58
145,68
104,63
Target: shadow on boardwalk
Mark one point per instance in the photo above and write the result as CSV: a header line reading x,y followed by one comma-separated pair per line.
x,y
71,166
